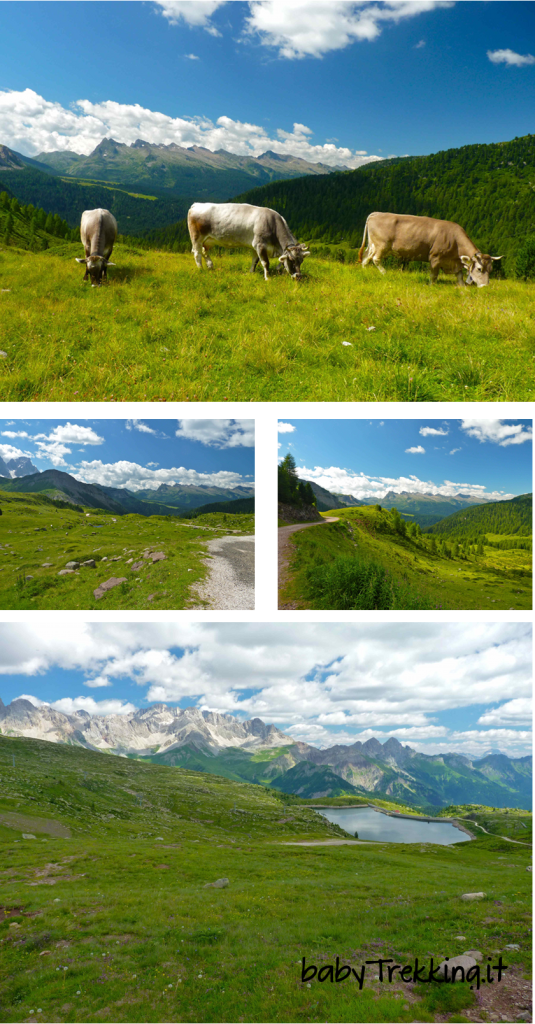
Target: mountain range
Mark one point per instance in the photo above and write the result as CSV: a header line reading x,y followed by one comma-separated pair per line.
x,y
12,468
145,186
253,751
425,509
167,499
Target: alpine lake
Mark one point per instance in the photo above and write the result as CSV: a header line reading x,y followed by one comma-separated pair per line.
x,y
375,826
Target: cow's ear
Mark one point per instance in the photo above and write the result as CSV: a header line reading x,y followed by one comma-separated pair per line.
x,y
78,260
467,260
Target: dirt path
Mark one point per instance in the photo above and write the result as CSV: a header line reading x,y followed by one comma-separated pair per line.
x,y
494,834
285,533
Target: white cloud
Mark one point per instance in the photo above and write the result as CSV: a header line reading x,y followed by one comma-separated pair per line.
x,y
419,45
321,681
14,433
510,58
433,432
191,56
31,124
97,682
7,451
453,450
54,446
497,431
139,425
285,428
312,28
343,481
513,712
218,433
416,451
136,477
195,13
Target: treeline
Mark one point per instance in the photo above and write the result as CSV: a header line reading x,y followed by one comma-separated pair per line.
x,y
135,214
512,517
292,490
469,546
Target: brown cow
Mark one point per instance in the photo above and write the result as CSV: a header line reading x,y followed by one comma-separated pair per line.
x,y
441,243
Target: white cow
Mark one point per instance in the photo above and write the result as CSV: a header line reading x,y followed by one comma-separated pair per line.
x,y
239,224
98,231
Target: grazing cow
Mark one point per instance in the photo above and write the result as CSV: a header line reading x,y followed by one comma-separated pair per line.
x,y
238,224
441,243
98,231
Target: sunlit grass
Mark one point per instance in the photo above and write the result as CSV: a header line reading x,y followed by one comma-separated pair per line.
x,y
162,330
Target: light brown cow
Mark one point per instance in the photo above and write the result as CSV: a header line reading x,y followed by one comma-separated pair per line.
x,y
98,231
441,243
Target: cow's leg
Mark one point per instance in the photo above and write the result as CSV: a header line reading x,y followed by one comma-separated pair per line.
x,y
254,265
206,255
368,255
460,279
377,263
264,260
197,247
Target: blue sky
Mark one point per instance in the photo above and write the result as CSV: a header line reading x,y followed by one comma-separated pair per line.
x,y
437,686
391,77
368,458
136,454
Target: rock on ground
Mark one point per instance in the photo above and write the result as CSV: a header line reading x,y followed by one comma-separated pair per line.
x,y
473,896
221,883
108,585
463,961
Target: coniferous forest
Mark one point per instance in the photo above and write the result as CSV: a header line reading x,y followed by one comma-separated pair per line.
x,y
488,189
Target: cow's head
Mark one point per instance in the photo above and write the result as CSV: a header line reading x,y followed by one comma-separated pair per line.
x,y
479,266
95,265
292,259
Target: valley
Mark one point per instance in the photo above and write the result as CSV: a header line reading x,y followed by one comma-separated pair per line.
x,y
106,913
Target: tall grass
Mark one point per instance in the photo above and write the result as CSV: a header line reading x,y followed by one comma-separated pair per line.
x,y
357,584
161,330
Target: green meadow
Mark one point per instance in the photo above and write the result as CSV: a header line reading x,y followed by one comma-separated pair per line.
x,y
361,562
105,914
161,331
37,539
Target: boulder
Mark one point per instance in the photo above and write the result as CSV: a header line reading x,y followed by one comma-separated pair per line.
x,y
66,572
475,954
466,962
158,556
108,585
221,883
28,835
72,565
90,563
469,896
136,566
512,945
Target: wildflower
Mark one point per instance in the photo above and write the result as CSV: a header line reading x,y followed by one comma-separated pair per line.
x,y
78,993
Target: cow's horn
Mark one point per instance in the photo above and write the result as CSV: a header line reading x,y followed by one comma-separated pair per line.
x,y
496,257
78,260
108,264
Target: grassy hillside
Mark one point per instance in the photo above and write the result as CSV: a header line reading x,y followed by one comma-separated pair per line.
x,y
161,331
488,189
368,560
28,227
240,505
106,915
37,541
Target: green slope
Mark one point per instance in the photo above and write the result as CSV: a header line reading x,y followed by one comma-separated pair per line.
x,y
106,911
372,559
39,538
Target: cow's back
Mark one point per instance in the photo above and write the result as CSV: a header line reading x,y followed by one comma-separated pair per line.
x,y
98,230
415,237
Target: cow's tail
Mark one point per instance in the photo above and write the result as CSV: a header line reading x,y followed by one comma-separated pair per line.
x,y
363,246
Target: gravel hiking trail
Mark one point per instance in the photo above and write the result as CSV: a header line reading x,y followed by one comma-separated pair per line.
x,y
229,585
285,533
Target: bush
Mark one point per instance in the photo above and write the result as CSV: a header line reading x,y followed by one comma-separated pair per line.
x,y
354,584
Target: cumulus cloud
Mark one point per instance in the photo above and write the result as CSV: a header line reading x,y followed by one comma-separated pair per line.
x,y
313,28
218,433
31,125
14,433
68,705
285,428
509,57
434,432
54,446
360,485
195,13
137,478
418,450
7,451
191,56
513,712
323,681
419,45
453,450
497,431
139,425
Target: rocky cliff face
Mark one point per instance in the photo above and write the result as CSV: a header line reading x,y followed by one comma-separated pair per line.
x,y
293,514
